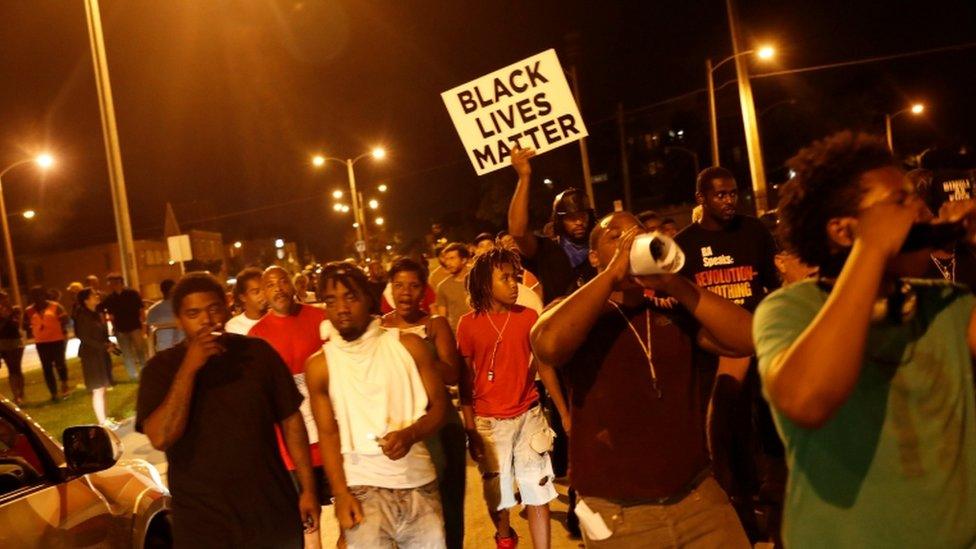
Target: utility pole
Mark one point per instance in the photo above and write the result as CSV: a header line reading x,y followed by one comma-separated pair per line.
x,y
624,162
749,123
113,153
584,152
712,113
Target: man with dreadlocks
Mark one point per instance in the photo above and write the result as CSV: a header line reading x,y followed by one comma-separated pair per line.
x,y
508,435
376,395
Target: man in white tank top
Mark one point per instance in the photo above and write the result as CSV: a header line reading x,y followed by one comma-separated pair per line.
x,y
376,395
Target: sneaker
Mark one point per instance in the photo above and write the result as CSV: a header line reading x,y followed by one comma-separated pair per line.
x,y
511,542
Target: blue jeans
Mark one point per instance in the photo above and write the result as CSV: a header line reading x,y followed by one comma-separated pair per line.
x,y
398,518
134,349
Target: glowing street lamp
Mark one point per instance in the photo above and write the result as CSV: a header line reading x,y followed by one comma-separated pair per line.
x,y
382,188
238,244
337,207
337,194
764,53
380,221
915,108
43,161
29,214
279,243
377,153
373,204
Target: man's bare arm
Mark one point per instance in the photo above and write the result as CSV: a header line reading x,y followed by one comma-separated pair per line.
x,y
518,208
448,360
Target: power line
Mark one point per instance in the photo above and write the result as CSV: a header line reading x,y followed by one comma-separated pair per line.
x,y
876,59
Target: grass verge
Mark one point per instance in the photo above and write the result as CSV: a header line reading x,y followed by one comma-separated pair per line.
x,y
76,408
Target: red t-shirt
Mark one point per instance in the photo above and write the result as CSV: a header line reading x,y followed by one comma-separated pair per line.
x,y
512,390
295,337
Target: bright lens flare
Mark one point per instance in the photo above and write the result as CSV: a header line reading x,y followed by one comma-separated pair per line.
x,y
44,160
766,52
318,161
379,153
918,108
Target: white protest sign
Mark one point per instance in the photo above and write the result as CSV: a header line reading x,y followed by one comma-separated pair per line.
x,y
179,247
526,104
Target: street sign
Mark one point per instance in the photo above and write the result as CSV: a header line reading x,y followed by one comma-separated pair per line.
x,y
179,248
361,246
526,104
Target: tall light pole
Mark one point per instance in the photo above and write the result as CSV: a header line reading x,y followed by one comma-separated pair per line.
x,y
749,123
765,52
357,208
43,161
916,109
113,153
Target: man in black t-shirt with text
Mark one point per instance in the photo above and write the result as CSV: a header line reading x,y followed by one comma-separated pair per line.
x,y
732,255
212,403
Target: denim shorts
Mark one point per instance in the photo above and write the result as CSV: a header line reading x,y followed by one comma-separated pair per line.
x,y
398,517
511,460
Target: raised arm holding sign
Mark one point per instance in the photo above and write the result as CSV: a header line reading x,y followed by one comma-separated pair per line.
x,y
524,105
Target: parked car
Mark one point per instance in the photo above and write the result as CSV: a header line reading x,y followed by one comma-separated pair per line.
x,y
78,495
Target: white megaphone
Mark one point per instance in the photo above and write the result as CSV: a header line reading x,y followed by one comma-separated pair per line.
x,y
655,253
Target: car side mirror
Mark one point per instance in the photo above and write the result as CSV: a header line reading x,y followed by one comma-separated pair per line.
x,y
90,448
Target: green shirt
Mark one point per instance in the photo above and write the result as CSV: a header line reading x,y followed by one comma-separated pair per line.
x,y
896,465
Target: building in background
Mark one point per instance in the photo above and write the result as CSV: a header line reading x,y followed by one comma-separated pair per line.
x,y
58,269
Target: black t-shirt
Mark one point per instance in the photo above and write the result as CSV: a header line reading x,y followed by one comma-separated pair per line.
x,y
629,443
125,308
555,272
229,484
735,263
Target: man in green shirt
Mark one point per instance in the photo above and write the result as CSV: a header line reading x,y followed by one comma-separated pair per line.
x,y
868,371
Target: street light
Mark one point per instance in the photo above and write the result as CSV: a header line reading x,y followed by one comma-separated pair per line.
x,y
380,220
373,204
765,53
337,194
357,207
29,214
382,188
43,161
916,109
238,244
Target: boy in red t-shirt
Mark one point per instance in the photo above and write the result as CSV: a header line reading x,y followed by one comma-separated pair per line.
x,y
507,433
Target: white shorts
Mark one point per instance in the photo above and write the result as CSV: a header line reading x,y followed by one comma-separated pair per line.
x,y
510,459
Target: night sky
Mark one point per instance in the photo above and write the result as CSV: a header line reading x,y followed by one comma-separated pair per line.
x,y
221,103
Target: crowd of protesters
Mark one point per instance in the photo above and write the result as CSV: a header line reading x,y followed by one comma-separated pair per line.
x,y
805,379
